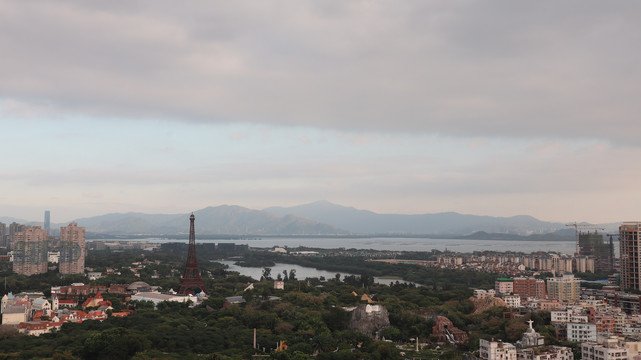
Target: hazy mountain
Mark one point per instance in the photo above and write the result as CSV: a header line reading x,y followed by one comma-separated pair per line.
x,y
8,220
367,222
318,218
223,219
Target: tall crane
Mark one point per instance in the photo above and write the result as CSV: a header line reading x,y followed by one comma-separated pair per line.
x,y
582,226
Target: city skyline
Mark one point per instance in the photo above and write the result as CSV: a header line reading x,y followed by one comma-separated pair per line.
x,y
494,108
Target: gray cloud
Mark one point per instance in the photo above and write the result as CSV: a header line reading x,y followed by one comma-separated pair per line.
x,y
499,68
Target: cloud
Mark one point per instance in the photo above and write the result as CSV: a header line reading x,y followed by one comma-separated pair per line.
x,y
494,69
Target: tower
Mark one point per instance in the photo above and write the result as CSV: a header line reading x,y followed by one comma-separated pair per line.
x,y
629,237
191,278
47,222
72,249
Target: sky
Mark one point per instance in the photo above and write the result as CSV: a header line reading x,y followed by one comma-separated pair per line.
x,y
497,108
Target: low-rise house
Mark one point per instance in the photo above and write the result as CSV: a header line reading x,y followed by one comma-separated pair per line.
x,y
607,349
37,328
512,301
483,294
496,350
41,304
157,298
95,301
550,352
14,314
94,275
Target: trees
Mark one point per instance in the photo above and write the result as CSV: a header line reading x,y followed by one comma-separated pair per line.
x,y
114,343
267,274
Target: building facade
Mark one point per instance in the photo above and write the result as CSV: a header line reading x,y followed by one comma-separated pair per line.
x,y
565,288
512,301
504,286
592,244
72,249
630,258
3,235
608,349
14,228
529,287
495,350
581,332
30,251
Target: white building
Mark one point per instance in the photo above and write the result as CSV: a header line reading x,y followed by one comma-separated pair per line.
x,y
483,294
546,353
565,316
53,256
531,338
530,347
41,304
608,349
581,332
512,301
14,314
496,350
94,275
157,298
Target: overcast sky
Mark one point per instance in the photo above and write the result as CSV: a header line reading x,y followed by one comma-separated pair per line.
x,y
480,107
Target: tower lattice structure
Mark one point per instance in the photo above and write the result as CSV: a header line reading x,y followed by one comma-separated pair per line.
x,y
191,278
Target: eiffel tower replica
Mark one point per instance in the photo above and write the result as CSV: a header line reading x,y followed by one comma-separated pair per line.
x,y
191,279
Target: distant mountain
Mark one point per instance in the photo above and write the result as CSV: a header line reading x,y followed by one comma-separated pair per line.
x,y
228,220
449,223
559,235
9,220
321,218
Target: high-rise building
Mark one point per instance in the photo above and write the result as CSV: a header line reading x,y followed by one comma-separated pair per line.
x,y
565,288
3,235
591,244
14,228
30,251
72,249
47,222
629,237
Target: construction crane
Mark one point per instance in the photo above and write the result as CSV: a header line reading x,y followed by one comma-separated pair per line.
x,y
583,226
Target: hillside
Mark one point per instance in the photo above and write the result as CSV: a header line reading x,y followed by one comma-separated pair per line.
x,y
222,219
448,223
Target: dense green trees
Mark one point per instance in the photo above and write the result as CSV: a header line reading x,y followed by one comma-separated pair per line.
x,y
308,317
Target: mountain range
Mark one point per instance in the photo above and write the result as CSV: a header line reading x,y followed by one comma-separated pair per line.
x,y
447,223
319,218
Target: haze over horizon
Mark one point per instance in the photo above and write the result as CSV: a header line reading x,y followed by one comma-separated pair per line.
x,y
493,108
